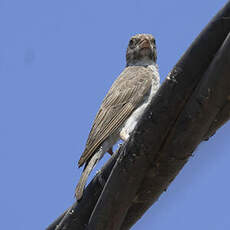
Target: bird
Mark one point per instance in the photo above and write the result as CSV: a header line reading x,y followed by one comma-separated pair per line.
x,y
123,105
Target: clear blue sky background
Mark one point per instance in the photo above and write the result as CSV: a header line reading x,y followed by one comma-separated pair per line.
x,y
57,61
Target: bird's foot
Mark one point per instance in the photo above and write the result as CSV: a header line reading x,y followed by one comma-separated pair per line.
x,y
110,151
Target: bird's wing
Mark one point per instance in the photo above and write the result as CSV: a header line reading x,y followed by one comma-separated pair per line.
x,y
126,93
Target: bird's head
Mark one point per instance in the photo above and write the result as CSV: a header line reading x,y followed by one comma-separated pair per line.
x,y
141,50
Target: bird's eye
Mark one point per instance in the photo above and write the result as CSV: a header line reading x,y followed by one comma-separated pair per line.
x,y
153,41
131,42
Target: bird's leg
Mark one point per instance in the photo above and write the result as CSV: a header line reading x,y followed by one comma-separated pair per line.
x,y
110,151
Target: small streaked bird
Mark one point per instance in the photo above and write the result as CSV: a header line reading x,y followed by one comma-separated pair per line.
x,y
123,105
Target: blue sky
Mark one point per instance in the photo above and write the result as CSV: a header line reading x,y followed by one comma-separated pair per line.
x,y
57,61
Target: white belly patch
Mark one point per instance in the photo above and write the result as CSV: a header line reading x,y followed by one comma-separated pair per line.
x,y
132,121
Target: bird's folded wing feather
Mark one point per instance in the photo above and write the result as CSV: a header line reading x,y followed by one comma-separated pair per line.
x,y
126,93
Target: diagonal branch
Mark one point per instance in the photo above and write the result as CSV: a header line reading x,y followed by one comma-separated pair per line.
x,y
157,131
175,123
187,132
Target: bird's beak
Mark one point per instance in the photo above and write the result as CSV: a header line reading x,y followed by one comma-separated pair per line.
x,y
145,44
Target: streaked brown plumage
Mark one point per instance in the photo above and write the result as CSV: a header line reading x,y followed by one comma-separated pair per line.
x,y
124,96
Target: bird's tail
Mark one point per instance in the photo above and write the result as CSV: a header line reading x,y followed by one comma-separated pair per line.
x,y
88,168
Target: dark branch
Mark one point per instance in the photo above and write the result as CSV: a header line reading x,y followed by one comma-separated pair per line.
x,y
184,110
188,72
187,132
